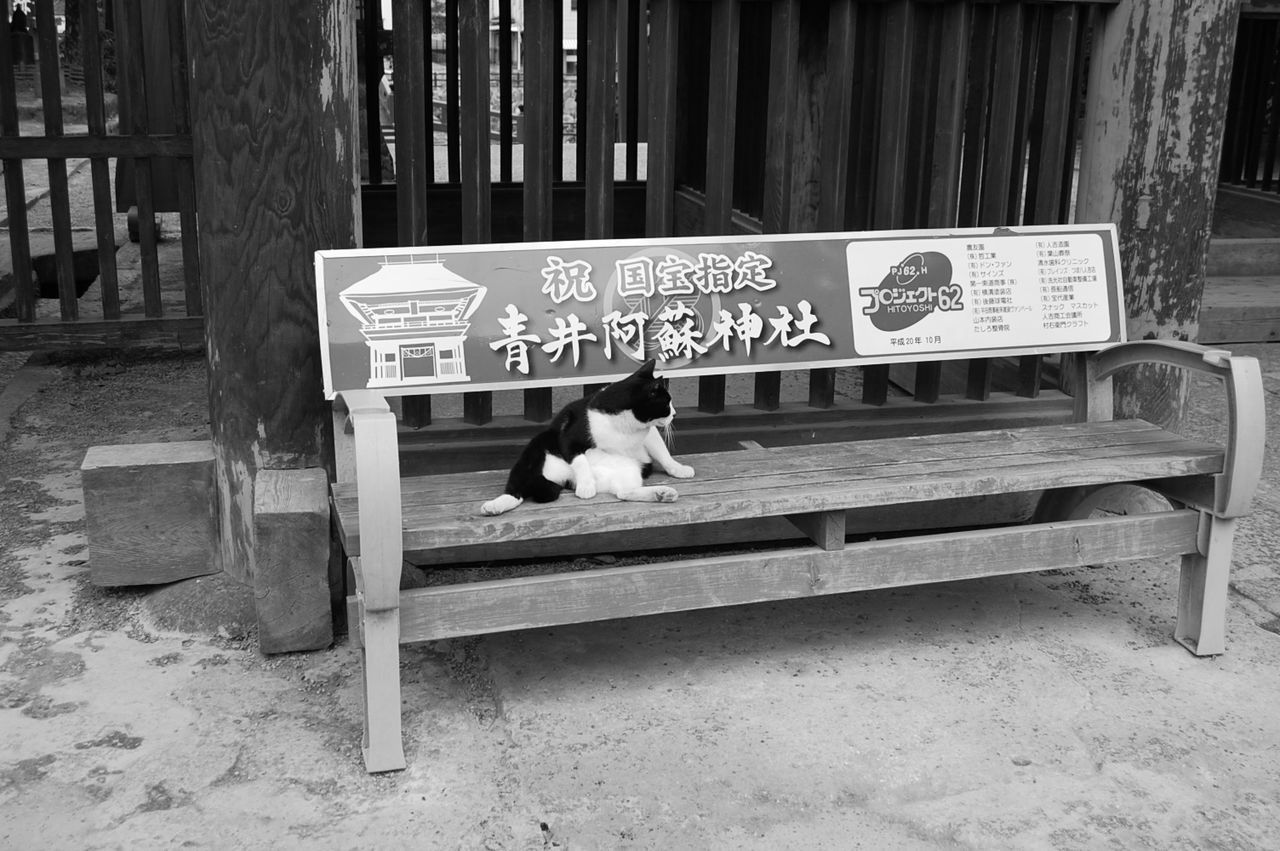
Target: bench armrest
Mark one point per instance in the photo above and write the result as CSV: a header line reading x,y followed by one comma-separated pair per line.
x,y
1246,426
377,463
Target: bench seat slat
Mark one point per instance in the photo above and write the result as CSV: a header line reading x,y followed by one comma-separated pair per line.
x,y
714,467
443,511
805,456
747,472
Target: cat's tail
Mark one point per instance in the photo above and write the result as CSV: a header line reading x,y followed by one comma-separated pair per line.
x,y
526,480
538,490
500,505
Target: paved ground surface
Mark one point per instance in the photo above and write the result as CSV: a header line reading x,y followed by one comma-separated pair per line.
x,y
1041,711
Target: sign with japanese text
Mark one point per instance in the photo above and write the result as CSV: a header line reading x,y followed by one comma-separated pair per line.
x,y
481,317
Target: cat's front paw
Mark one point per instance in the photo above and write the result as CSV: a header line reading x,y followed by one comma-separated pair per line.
x,y
665,494
585,491
681,471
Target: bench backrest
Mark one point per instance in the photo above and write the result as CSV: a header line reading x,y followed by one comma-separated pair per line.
x,y
486,317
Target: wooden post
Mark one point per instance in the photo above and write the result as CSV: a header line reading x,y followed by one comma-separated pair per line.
x,y
274,123
291,560
1158,86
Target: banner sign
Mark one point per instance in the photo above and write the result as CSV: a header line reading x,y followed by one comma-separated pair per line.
x,y
482,317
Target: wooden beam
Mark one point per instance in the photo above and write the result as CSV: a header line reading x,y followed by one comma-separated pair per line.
x,y
837,125
541,138
891,153
782,130
664,33
14,191
473,85
95,107
291,560
413,121
601,104
948,120
824,528
1003,166
539,601
281,115
505,93
726,18
477,189
182,333
150,512
945,514
541,123
85,145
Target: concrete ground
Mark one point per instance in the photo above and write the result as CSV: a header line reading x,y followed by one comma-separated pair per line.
x,y
1039,711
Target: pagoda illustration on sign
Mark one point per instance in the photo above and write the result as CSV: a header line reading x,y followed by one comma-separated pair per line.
x,y
414,316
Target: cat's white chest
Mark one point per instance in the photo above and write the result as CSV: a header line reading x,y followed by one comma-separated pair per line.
x,y
619,434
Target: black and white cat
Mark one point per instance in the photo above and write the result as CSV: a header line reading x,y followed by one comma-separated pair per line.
x,y
607,443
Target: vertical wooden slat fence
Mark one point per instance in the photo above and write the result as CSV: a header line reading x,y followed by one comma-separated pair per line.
x,y
161,303
741,116
1251,138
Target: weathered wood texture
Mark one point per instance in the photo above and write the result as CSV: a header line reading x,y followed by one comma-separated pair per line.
x,y
833,492
150,512
184,333
481,607
268,78
882,520
291,560
1151,144
1202,591
442,511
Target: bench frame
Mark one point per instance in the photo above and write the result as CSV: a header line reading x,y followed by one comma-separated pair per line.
x,y
1061,534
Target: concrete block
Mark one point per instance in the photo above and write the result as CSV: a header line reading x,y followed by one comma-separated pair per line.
x,y
291,560
150,512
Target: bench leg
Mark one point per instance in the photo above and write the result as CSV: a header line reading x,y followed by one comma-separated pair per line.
x,y
1202,591
380,663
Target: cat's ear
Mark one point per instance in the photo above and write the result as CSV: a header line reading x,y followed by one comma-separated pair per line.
x,y
646,369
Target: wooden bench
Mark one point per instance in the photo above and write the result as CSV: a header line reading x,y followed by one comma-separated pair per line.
x,y
858,513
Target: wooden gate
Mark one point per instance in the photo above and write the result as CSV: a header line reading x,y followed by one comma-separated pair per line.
x,y
163,306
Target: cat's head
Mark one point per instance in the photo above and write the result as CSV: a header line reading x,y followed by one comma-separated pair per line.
x,y
642,393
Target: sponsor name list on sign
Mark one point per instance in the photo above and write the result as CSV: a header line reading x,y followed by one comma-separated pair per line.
x,y
986,292
483,317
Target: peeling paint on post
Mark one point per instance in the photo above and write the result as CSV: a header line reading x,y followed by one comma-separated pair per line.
x,y
1149,162
273,91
